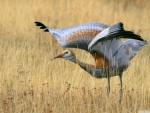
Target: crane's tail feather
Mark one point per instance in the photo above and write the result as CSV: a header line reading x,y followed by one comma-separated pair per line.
x,y
42,26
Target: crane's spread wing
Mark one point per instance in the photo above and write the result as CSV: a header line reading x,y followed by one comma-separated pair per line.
x,y
127,50
117,54
106,43
114,31
77,36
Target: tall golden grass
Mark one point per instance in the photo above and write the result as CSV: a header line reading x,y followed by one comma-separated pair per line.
x,y
31,82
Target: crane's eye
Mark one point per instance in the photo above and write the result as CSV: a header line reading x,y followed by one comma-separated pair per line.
x,y
66,53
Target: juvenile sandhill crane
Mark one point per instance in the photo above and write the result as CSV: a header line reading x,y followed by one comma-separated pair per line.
x,y
112,57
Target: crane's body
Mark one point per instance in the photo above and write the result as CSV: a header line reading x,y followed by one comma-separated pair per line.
x,y
112,57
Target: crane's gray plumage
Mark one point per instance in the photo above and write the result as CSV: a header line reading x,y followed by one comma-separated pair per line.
x,y
112,57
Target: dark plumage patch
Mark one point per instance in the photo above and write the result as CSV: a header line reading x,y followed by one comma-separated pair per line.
x,y
46,30
39,24
127,48
42,26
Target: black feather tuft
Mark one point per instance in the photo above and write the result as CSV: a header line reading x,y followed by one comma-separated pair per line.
x,y
46,30
39,24
43,27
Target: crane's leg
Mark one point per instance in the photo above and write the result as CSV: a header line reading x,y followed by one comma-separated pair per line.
x,y
120,76
108,87
108,77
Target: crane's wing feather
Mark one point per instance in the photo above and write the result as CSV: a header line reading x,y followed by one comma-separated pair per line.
x,y
78,36
122,34
127,50
114,31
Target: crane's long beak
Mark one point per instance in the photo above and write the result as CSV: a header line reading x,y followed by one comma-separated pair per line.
x,y
59,56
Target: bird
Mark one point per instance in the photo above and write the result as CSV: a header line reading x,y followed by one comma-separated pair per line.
x,y
112,57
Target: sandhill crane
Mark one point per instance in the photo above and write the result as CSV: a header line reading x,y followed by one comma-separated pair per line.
x,y
112,57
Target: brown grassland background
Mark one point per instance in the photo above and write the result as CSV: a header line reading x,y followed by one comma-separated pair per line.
x,y
30,82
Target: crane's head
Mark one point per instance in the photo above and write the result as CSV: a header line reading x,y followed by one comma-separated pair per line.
x,y
67,55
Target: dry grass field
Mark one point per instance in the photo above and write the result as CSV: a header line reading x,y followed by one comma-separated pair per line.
x,y
30,82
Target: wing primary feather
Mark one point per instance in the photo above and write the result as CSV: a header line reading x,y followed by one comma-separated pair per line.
x,y
121,34
42,26
128,34
39,24
46,30
116,28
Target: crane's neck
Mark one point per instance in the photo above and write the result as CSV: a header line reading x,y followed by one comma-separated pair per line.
x,y
91,69
80,63
73,59
101,72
